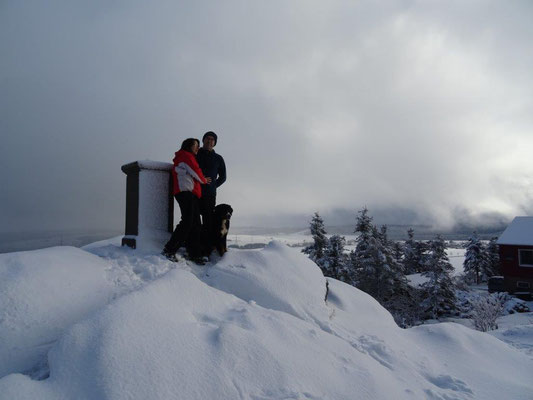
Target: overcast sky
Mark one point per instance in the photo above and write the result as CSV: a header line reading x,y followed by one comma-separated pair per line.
x,y
421,110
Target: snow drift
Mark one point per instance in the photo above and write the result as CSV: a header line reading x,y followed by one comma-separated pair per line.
x,y
255,326
42,293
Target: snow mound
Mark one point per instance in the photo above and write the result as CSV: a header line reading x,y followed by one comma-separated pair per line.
x,y
256,326
42,292
255,276
357,311
179,338
438,361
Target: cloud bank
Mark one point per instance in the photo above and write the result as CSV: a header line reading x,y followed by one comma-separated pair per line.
x,y
419,106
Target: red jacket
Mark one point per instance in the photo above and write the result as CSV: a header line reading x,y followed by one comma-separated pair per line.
x,y
186,174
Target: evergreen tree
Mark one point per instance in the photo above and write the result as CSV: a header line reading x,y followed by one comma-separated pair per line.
x,y
405,306
376,275
361,257
352,267
439,290
316,250
397,251
493,258
421,255
399,299
390,252
415,254
475,260
384,236
335,262
363,223
410,259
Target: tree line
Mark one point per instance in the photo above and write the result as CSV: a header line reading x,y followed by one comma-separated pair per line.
x,y
379,266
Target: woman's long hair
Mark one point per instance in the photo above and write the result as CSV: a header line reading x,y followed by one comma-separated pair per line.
x,y
188,143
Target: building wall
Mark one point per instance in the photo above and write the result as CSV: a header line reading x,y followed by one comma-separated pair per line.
x,y
514,275
510,263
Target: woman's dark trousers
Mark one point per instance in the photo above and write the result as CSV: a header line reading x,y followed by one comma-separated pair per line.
x,y
187,232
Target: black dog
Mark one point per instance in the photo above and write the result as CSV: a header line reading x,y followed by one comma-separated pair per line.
x,y
221,217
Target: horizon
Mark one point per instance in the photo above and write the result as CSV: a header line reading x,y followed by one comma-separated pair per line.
x,y
33,240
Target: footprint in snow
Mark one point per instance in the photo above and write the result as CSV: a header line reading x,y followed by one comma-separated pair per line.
x,y
375,348
448,382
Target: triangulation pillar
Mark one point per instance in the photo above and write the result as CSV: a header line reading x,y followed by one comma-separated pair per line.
x,y
149,204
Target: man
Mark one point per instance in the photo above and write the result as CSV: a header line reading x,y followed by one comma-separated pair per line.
x,y
213,166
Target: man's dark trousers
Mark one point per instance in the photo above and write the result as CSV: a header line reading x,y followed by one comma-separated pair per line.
x,y
207,205
187,232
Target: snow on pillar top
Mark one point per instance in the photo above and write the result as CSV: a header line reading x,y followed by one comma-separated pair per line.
x,y
136,166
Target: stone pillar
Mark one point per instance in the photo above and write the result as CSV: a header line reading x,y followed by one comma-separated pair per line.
x,y
149,205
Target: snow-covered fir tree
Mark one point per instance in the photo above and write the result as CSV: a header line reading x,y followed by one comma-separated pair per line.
x,y
492,252
401,300
421,249
409,253
405,306
373,268
335,262
397,251
384,236
316,250
475,260
376,275
363,222
415,254
360,257
391,257
439,290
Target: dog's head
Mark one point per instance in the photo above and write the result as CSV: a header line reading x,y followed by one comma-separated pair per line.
x,y
224,211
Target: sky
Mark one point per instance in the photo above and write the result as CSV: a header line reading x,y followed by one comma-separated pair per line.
x,y
419,110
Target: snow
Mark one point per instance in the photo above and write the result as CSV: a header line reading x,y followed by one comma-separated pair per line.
x,y
299,239
154,165
42,293
457,258
417,280
114,242
516,330
253,275
251,325
519,232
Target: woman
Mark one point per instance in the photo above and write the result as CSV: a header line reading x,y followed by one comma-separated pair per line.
x,y
187,177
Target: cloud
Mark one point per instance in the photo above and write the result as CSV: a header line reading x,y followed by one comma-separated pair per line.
x,y
419,106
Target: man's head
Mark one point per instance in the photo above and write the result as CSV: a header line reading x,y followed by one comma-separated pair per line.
x,y
209,140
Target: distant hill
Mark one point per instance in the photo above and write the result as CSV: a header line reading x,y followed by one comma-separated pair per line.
x,y
396,232
425,232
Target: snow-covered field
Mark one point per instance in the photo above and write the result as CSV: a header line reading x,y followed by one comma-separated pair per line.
x,y
106,322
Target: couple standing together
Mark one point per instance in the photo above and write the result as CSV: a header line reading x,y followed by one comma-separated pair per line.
x,y
197,173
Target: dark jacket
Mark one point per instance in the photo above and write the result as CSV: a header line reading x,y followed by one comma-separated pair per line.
x,y
213,166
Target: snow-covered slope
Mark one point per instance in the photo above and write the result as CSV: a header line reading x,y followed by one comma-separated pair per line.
x,y
42,293
254,325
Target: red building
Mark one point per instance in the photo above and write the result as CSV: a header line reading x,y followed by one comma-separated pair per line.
x,y
516,255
